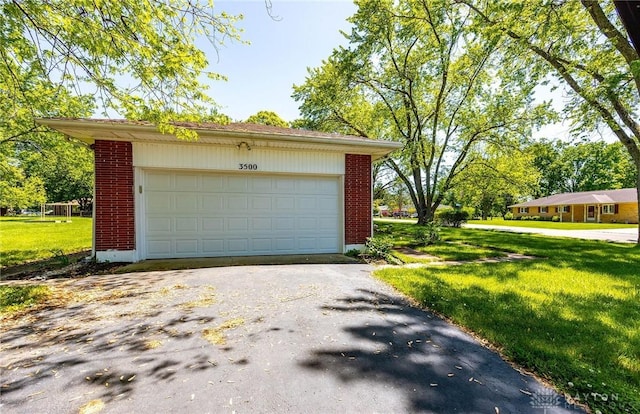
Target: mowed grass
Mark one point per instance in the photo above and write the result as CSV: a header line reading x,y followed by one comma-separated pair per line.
x,y
26,239
552,225
572,316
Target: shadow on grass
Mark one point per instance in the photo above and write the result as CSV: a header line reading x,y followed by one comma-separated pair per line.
x,y
436,366
588,339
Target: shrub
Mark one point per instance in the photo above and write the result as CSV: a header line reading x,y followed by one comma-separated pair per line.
x,y
378,247
508,216
555,218
452,218
535,218
427,234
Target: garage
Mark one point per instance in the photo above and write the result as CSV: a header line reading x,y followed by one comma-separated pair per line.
x,y
237,190
217,214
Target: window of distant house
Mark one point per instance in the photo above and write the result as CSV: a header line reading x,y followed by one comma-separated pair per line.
x,y
524,209
544,209
566,209
608,209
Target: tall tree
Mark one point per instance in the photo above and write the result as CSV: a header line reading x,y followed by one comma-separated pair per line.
x,y
60,58
547,159
584,45
414,72
267,118
497,176
583,166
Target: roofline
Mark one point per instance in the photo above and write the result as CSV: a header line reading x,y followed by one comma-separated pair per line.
x,y
383,147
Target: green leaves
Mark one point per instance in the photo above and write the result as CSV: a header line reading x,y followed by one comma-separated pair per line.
x,y
138,58
267,118
418,72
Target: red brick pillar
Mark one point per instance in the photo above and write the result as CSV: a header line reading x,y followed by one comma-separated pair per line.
x,y
357,198
114,206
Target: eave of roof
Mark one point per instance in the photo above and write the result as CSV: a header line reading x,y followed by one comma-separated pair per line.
x,y
90,130
624,195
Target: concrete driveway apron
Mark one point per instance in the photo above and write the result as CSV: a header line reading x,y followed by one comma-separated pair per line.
x,y
296,338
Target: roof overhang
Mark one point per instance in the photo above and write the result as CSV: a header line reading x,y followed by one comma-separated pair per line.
x,y
89,131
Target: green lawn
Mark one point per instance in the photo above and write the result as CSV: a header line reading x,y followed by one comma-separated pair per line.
x,y
551,224
25,239
572,316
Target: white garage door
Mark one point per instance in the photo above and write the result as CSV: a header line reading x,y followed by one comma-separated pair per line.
x,y
205,214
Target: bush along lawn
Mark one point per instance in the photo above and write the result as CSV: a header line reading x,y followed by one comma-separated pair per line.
x,y
572,316
27,239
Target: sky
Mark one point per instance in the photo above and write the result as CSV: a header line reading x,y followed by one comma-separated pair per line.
x,y
301,35
261,75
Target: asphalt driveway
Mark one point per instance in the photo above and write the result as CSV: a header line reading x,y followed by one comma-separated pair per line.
x,y
297,338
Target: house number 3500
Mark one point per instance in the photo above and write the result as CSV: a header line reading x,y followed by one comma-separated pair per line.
x,y
252,167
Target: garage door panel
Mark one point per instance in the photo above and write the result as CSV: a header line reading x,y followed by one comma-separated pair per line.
x,y
186,246
261,185
261,245
285,185
326,223
159,248
235,224
216,214
159,181
210,224
187,224
187,183
213,183
306,203
159,198
283,224
325,243
327,187
307,243
327,204
284,244
238,245
237,203
261,224
261,202
307,223
285,203
212,247
211,202
159,224
237,184
186,203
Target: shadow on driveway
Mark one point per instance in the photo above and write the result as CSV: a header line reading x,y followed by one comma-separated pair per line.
x,y
297,338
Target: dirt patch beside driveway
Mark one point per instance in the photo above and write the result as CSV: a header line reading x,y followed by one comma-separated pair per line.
x,y
298,338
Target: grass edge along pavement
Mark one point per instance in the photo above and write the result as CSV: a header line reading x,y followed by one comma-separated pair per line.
x,y
572,317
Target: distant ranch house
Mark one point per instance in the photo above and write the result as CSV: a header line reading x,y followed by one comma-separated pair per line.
x,y
602,206
239,190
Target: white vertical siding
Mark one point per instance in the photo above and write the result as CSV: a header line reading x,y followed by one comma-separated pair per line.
x,y
227,158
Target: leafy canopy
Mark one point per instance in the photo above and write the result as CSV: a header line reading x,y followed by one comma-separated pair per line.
x,y
140,59
417,72
267,118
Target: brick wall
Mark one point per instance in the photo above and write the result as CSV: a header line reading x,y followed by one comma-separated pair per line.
x,y
114,216
357,198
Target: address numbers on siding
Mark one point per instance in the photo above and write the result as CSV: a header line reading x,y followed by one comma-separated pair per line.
x,y
251,167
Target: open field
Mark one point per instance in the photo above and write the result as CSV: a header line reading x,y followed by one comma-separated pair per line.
x,y
26,239
572,316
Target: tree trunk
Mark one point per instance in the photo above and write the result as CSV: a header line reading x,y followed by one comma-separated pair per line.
x,y
638,195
